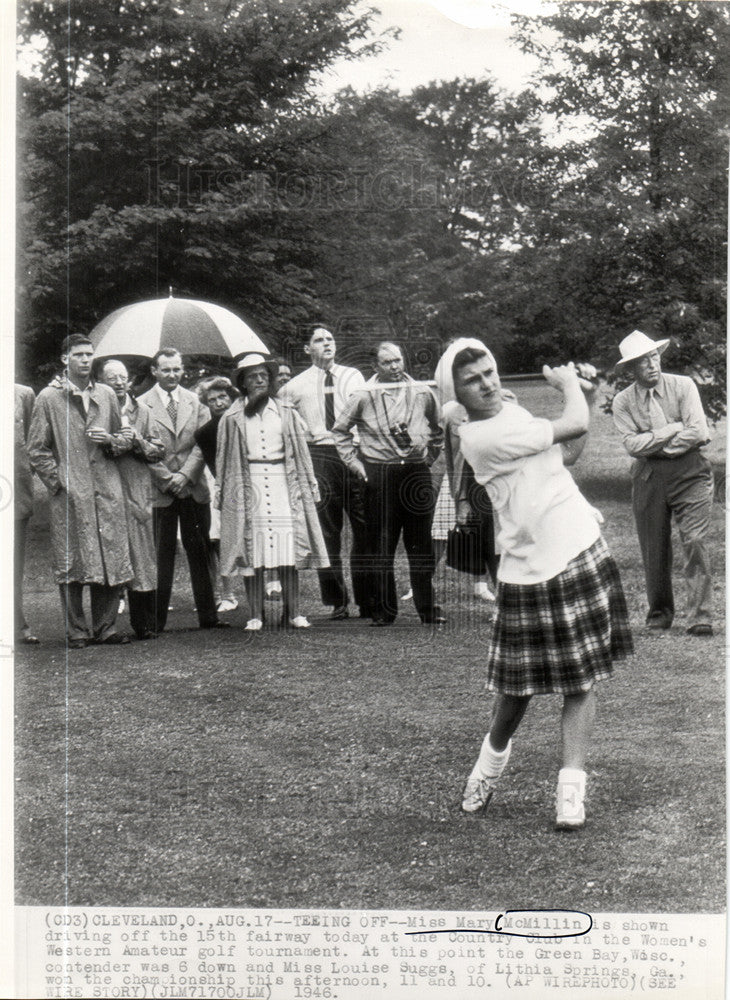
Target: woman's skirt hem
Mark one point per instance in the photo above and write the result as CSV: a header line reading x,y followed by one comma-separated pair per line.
x,y
562,635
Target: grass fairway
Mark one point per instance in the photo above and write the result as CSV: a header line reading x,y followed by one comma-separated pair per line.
x,y
325,769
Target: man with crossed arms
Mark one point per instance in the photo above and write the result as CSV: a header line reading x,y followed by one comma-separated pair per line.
x,y
663,426
70,446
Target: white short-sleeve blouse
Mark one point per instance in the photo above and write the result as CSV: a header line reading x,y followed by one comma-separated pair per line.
x,y
543,519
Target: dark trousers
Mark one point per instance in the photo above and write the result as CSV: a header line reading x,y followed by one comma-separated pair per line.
x,y
341,492
142,611
104,609
21,531
679,487
194,521
401,499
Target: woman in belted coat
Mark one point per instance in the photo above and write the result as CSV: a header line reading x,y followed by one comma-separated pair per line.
x,y
267,493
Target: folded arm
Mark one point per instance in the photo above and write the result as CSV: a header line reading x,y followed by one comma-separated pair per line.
x,y
638,443
694,432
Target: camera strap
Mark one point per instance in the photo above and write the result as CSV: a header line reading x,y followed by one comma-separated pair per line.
x,y
400,414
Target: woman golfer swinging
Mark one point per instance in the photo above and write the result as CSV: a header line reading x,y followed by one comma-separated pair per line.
x,y
561,613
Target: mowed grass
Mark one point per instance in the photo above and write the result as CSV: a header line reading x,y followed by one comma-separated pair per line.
x,y
325,769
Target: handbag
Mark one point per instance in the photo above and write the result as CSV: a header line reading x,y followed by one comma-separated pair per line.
x,y
464,549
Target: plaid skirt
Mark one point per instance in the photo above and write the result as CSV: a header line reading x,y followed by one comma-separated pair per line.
x,y
562,635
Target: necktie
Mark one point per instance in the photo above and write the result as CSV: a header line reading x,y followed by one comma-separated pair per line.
x,y
172,408
656,413
329,401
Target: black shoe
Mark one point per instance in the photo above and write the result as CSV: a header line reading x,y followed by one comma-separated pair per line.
x,y
115,639
149,634
659,622
437,620
380,622
216,625
77,643
700,628
340,613
28,639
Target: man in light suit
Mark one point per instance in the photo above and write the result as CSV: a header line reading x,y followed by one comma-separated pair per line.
x,y
182,494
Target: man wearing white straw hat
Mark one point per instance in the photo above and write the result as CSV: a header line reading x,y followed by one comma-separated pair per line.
x,y
663,426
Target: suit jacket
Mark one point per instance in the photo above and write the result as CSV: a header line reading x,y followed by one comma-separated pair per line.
x,y
181,455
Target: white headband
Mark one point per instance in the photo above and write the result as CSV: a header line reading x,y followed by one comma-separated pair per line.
x,y
444,376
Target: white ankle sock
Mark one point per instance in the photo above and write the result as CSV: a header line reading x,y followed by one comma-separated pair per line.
x,y
569,796
490,762
575,777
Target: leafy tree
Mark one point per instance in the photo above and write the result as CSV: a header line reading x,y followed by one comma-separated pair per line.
x,y
435,195
147,140
638,225
162,145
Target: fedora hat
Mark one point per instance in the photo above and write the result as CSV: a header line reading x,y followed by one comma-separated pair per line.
x,y
637,344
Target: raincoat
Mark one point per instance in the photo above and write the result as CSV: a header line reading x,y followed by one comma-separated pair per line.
x,y
88,519
24,400
136,467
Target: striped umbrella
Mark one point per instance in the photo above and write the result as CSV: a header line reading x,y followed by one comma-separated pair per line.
x,y
190,325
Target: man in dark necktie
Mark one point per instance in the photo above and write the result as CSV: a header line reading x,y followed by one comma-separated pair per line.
x,y
663,426
182,494
320,394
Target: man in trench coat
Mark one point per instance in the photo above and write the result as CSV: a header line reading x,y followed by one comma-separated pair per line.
x,y
69,447
139,451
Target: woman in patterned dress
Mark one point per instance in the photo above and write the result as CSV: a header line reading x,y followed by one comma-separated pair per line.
x,y
267,494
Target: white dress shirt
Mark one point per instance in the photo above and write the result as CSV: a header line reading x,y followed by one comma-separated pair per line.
x,y
306,393
165,395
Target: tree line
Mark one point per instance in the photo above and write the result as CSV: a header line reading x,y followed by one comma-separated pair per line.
x,y
162,144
